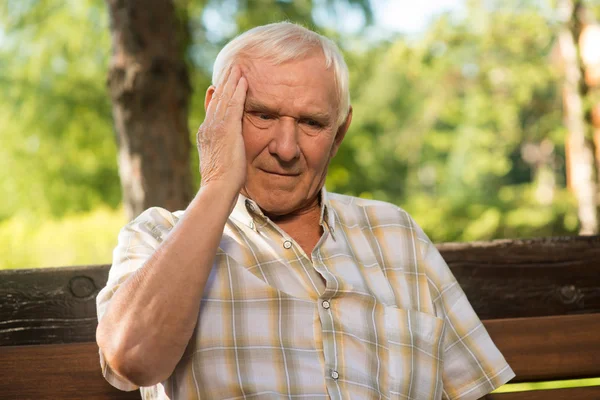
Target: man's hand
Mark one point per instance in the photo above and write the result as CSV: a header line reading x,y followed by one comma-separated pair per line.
x,y
220,142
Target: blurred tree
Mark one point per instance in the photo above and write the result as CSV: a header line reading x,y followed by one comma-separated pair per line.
x,y
58,149
150,90
580,153
469,135
461,125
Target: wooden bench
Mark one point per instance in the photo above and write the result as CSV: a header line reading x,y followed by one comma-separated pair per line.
x,y
539,299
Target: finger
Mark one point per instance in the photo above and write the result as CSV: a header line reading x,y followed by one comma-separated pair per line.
x,y
235,110
217,94
224,78
227,93
212,105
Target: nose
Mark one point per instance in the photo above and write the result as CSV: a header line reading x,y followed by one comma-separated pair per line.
x,y
285,143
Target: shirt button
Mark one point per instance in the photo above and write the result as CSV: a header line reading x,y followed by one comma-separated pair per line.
x,y
287,244
326,306
251,224
334,374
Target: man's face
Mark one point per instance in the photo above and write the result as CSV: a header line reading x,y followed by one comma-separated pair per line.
x,y
290,132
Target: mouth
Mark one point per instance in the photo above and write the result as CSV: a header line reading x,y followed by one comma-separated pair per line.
x,y
279,173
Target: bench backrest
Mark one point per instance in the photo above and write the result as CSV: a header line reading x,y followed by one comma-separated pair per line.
x,y
539,299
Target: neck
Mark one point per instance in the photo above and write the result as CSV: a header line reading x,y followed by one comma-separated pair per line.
x,y
304,213
302,225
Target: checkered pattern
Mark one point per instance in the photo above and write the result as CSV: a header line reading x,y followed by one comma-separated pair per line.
x,y
374,313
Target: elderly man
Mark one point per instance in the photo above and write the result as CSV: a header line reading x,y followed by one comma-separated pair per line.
x,y
269,287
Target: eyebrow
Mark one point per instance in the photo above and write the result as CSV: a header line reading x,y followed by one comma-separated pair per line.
x,y
256,106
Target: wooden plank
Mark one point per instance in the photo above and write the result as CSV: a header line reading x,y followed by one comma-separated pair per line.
x,y
72,371
59,371
549,348
528,278
502,279
585,393
49,305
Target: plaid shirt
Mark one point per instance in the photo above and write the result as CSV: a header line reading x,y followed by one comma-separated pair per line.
x,y
373,313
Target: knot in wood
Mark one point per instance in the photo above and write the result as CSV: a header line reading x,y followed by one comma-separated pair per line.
x,y
82,286
570,294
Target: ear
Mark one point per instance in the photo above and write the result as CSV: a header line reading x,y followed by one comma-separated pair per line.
x,y
209,95
341,133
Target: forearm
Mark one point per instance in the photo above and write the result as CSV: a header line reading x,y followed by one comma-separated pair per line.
x,y
151,317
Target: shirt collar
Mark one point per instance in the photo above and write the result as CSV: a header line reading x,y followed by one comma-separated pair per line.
x,y
246,209
326,211
242,209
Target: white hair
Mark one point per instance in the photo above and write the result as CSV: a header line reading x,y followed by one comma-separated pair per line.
x,y
282,42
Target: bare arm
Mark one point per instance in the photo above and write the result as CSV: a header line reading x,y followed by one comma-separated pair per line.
x,y
152,316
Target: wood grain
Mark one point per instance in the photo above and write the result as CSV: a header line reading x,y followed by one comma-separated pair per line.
x,y
49,305
549,348
59,371
528,278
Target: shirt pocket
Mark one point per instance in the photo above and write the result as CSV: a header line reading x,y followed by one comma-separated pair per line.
x,y
415,349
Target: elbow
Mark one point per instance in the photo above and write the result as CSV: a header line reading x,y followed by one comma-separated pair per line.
x,y
128,362
135,373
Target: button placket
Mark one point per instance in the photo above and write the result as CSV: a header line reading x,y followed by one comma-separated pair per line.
x,y
327,323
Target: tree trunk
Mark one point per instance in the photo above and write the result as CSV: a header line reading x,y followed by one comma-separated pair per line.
x,y
596,123
150,89
589,43
580,156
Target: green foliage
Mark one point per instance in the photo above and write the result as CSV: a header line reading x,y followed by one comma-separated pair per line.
x,y
442,121
58,153
445,139
79,239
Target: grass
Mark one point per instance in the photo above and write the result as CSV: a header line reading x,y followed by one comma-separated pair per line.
x,y
87,238
572,383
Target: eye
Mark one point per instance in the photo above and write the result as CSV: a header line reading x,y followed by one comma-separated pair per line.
x,y
312,123
261,119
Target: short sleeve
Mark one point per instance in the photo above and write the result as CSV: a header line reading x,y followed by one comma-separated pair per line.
x,y
472,364
137,241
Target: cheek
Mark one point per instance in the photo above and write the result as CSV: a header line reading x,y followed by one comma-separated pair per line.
x,y
255,140
317,154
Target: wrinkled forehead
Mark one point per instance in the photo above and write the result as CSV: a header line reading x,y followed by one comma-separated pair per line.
x,y
306,80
